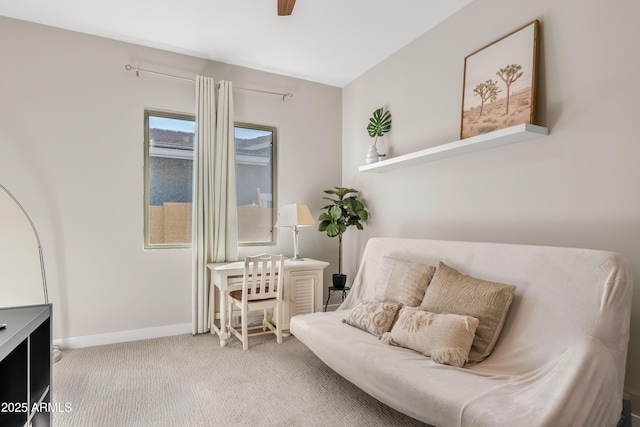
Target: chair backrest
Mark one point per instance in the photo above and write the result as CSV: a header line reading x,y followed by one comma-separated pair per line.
x,y
263,277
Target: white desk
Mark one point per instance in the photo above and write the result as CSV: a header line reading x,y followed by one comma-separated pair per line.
x,y
302,292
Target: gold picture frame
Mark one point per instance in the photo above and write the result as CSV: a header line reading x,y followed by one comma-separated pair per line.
x,y
499,86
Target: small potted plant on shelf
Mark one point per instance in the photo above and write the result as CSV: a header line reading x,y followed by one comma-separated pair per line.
x,y
344,211
379,124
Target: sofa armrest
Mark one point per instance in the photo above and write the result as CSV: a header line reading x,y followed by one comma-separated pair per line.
x,y
584,376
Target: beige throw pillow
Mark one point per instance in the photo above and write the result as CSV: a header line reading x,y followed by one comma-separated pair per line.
x,y
373,317
403,281
451,291
446,338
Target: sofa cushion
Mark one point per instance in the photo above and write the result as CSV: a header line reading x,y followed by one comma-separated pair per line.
x,y
451,291
446,338
372,316
403,282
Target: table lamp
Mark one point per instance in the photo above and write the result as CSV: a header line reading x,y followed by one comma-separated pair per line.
x,y
295,216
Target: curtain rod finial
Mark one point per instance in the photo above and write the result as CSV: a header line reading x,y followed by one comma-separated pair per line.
x,y
129,67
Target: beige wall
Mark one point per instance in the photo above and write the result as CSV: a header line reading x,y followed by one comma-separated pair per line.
x,y
71,150
578,187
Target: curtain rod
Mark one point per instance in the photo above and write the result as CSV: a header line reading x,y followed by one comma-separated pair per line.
x,y
129,67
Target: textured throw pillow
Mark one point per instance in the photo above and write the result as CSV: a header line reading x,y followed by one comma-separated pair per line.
x,y
446,338
451,291
403,281
373,317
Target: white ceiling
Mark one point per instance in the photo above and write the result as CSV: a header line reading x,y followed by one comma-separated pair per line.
x,y
326,41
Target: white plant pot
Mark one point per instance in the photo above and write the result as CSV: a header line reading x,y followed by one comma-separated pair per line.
x,y
372,154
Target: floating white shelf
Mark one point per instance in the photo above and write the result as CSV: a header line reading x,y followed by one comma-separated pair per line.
x,y
485,141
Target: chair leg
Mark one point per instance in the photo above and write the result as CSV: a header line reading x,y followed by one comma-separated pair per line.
x,y
245,329
278,314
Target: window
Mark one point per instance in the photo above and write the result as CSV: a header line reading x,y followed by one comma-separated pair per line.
x,y
169,141
169,154
255,181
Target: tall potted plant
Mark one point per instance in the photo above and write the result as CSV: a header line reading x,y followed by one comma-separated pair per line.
x,y
344,211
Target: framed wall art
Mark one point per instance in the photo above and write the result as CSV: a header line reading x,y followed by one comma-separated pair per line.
x,y
499,88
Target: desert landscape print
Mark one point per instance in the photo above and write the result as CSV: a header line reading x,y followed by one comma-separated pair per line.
x,y
499,83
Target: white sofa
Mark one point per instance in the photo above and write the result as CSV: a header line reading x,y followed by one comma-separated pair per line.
x,y
559,361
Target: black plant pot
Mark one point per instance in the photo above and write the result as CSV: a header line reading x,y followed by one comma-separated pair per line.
x,y
339,280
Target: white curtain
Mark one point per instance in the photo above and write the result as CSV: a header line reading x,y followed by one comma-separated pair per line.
x,y
215,224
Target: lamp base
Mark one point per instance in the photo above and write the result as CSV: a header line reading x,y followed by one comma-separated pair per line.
x,y
296,254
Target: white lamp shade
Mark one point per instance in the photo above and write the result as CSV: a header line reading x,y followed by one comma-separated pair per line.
x,y
295,216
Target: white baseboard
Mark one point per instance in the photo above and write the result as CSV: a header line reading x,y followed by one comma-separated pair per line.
x,y
123,336
634,396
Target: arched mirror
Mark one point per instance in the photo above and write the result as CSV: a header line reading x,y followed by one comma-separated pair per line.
x,y
22,278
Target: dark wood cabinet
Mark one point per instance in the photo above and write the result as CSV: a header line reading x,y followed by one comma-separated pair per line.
x,y
25,366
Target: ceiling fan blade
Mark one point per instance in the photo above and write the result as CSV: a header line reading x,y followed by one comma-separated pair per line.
x,y
285,7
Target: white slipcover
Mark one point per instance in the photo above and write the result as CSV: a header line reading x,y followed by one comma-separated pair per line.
x,y
560,360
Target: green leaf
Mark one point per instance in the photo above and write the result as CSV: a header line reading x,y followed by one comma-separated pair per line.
x,y
333,230
353,221
379,123
335,212
350,203
341,192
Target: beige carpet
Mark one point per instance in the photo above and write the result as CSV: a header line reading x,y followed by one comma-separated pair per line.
x,y
191,381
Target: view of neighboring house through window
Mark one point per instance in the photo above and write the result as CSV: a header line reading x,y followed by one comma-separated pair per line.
x,y
255,180
169,142
169,155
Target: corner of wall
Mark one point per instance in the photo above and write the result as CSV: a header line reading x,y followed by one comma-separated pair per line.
x,y
634,397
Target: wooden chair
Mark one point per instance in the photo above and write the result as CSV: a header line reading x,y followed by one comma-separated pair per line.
x,y
261,290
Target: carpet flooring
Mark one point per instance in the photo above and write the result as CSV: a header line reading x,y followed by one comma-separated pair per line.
x,y
191,381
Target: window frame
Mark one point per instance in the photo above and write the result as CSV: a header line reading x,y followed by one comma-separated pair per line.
x,y
147,196
274,181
